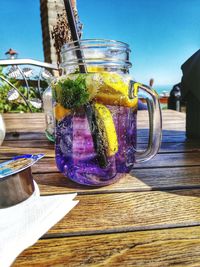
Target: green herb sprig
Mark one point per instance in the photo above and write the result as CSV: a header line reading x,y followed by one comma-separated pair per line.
x,y
72,94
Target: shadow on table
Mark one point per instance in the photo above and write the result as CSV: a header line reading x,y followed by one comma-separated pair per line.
x,y
175,167
167,136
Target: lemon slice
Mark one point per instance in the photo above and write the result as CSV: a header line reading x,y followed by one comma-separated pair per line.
x,y
107,128
112,89
115,90
116,81
95,69
60,112
93,84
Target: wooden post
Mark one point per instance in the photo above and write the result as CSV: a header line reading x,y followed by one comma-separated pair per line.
x,y
48,12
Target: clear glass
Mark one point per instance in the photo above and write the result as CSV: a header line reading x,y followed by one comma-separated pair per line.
x,y
96,114
2,129
47,100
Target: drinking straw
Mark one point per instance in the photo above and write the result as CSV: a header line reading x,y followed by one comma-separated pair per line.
x,y
89,110
74,32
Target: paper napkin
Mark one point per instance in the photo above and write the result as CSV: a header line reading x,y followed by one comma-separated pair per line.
x,y
23,224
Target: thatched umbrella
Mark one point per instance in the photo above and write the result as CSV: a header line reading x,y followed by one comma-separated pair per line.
x,y
61,33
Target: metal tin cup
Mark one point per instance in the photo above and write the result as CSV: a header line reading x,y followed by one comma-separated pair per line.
x,y
16,180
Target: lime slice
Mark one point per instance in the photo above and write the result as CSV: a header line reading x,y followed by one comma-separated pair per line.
x,y
107,128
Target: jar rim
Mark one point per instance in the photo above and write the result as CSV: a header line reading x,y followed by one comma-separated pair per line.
x,y
104,52
95,42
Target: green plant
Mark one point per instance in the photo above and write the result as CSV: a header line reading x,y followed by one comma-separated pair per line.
x,y
17,105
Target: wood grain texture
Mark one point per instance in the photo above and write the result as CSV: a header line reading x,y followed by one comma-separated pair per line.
x,y
138,180
37,146
161,160
13,136
119,212
35,122
170,144
21,122
150,217
29,143
31,140
161,248
47,165
41,135
10,151
38,138
171,160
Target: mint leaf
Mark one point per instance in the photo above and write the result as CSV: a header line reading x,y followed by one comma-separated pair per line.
x,y
72,94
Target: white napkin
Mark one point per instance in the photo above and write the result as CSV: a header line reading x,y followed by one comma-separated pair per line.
x,y
23,224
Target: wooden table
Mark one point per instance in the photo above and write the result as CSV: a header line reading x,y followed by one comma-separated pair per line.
x,y
149,218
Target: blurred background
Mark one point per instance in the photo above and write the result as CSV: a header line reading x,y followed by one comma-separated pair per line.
x,y
162,34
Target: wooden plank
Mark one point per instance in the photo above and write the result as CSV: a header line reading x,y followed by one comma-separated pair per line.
x,y
46,165
34,141
10,148
172,120
21,122
109,213
169,133
165,139
12,136
175,147
47,143
169,144
171,247
161,160
29,143
35,121
142,114
8,152
167,125
138,180
142,133
48,149
20,127
13,116
25,136
169,160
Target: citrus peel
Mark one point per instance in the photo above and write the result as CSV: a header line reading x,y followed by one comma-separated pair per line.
x,y
107,128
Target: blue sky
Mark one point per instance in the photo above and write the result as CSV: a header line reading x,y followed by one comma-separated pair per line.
x,y
162,34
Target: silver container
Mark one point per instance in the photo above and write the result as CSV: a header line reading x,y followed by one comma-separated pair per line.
x,y
16,188
16,180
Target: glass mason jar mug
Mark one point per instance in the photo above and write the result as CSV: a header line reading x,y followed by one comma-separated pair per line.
x,y
96,113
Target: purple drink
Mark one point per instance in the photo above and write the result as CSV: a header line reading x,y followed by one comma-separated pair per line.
x,y
76,157
96,113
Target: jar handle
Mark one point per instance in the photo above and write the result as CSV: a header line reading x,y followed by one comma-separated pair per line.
x,y
155,121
